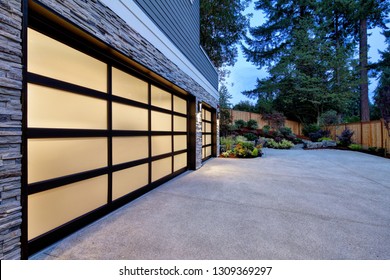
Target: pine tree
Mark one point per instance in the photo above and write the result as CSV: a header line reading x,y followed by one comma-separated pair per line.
x,y
222,26
307,61
367,14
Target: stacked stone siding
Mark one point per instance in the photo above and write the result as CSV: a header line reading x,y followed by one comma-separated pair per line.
x,y
10,128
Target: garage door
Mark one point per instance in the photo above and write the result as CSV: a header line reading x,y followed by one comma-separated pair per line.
x,y
97,133
208,136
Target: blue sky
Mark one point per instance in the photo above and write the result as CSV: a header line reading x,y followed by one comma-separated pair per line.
x,y
243,74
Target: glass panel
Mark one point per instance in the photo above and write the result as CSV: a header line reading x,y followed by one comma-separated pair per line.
x,y
52,108
161,98
203,140
180,161
51,158
161,168
161,145
207,127
203,114
129,180
208,151
53,59
208,116
203,152
161,121
128,86
180,123
129,118
125,149
180,142
208,139
50,209
179,105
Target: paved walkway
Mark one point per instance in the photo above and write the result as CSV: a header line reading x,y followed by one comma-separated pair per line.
x,y
294,204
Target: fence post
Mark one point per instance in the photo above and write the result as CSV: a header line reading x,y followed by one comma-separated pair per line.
x,y
382,136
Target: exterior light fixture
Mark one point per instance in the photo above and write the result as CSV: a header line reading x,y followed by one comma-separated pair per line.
x,y
199,106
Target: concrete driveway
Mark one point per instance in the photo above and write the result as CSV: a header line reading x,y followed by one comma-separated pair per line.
x,y
294,204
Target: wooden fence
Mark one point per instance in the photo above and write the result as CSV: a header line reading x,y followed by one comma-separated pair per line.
x,y
367,134
246,116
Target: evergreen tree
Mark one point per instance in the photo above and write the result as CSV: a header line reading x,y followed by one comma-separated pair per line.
x,y
366,14
224,110
382,92
222,26
224,98
383,66
245,106
308,47
295,45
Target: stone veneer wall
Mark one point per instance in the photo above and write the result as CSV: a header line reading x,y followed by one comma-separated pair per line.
x,y
10,128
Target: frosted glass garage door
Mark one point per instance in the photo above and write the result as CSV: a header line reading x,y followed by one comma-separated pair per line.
x,y
97,132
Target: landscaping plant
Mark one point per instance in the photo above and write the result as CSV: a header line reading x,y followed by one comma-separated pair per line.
x,y
315,136
240,124
252,124
345,138
310,128
250,136
355,147
284,144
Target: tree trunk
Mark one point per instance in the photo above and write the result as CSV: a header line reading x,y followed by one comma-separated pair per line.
x,y
363,49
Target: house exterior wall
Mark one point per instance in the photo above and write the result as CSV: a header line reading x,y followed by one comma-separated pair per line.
x,y
10,128
180,22
101,22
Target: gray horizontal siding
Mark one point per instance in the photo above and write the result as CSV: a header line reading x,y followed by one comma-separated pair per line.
x,y
179,20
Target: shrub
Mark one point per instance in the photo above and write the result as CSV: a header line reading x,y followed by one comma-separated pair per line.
x,y
255,152
372,149
266,128
240,124
227,153
275,119
328,118
315,136
381,151
284,144
252,124
242,150
285,131
240,138
250,136
355,147
227,141
345,138
248,145
310,128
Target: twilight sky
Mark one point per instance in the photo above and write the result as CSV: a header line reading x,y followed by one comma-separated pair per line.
x,y
243,74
